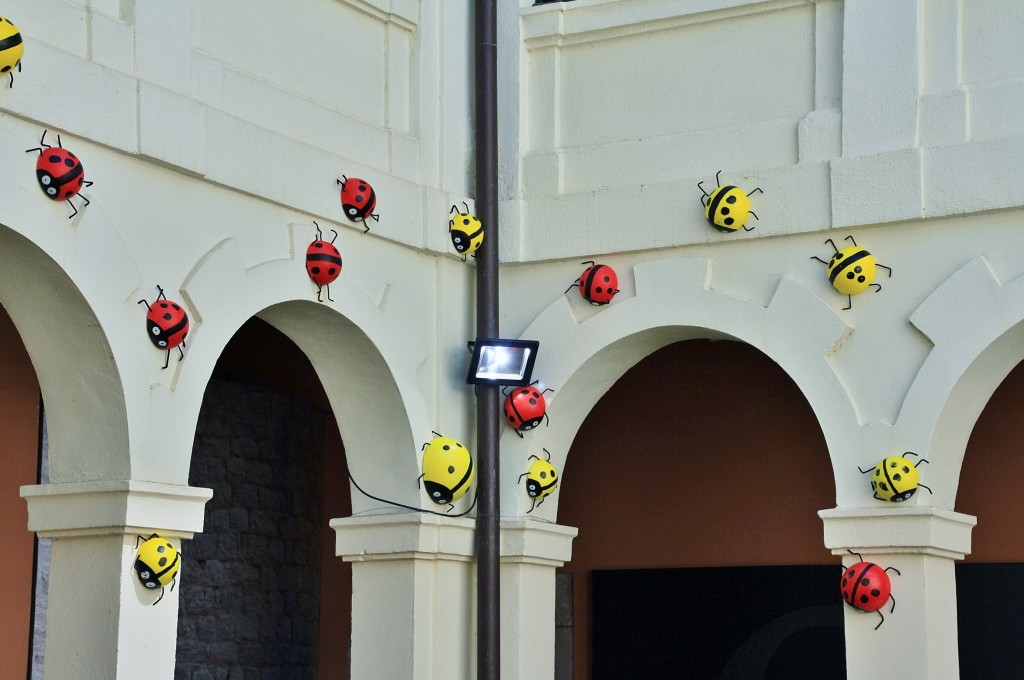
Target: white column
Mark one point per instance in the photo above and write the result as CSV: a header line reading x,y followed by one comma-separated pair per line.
x,y
412,595
99,620
530,553
919,638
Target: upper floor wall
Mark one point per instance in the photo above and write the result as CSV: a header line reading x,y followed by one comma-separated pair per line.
x,y
269,100
846,114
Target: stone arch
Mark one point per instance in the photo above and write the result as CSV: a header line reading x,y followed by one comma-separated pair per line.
x,y
359,347
73,357
976,326
580,360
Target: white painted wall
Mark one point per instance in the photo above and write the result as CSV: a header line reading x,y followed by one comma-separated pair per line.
x,y
214,132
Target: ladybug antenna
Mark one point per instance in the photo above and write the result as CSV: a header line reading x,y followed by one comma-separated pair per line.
x,y
504,389
547,452
590,262
864,472
455,208
533,455
319,234
58,142
857,554
893,569
700,185
718,181
467,207
850,239
436,434
161,295
521,477
923,460
143,302
832,243
546,390
335,232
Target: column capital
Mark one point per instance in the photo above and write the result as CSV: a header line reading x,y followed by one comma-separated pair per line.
x,y
109,507
533,542
404,536
908,530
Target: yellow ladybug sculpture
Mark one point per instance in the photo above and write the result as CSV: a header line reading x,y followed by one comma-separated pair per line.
x,y
851,270
466,231
727,208
447,470
896,478
157,563
11,48
541,480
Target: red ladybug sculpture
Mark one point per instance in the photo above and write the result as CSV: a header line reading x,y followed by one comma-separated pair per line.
x,y
166,324
323,262
60,173
525,408
866,586
358,199
598,283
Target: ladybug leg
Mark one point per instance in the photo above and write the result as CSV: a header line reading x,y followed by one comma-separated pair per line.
x,y
532,506
879,289
547,421
450,507
328,286
367,229
174,582
318,289
419,478
521,436
167,358
888,269
893,608
882,616
159,598
849,302
181,354
74,210
519,482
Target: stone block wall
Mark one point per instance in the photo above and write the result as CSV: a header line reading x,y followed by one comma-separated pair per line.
x,y
250,582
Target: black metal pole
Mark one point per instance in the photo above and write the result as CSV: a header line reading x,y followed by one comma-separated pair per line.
x,y
488,405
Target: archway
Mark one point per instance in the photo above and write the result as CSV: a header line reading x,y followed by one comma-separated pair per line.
x,y
702,456
20,415
265,592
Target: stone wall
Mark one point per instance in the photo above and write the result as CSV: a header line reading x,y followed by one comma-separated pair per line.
x,y
250,582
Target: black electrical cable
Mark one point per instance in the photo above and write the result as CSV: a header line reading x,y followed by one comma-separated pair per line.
x,y
409,507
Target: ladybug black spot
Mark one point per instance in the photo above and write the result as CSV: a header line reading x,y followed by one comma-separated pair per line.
x,y
893,464
861,279
875,592
730,199
543,475
511,419
176,307
533,401
446,447
865,581
725,211
526,390
553,474
160,549
359,199
883,486
331,271
849,275
607,279
168,316
465,221
458,444
598,289
54,158
163,561
863,599
69,193
5,69
729,220
451,469
163,305
906,469
837,257
69,162
318,244
858,269
897,477
316,270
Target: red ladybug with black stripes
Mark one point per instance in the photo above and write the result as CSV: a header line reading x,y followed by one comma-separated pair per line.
x,y
866,587
358,199
525,407
598,283
166,324
60,173
323,262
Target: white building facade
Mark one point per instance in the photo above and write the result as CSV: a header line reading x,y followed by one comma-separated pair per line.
x,y
215,130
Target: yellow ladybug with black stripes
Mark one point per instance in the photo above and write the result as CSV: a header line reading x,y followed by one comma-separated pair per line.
x,y
11,48
727,208
852,269
157,563
447,470
896,478
541,479
466,231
